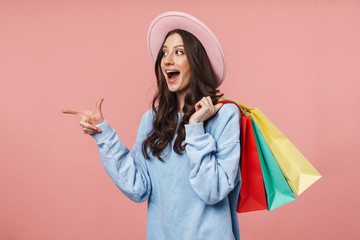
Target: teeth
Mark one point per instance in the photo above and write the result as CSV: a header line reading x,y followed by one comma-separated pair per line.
x,y
171,71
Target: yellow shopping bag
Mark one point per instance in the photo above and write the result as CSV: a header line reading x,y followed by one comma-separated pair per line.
x,y
297,170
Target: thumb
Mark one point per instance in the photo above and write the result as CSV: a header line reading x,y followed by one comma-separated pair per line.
x,y
218,106
98,105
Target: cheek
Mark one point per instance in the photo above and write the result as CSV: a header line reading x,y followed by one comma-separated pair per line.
x,y
186,67
162,63
188,71
162,66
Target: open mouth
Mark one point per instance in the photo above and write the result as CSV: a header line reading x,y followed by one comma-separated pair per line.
x,y
172,74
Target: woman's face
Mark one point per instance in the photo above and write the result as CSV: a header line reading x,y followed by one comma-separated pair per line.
x,y
175,65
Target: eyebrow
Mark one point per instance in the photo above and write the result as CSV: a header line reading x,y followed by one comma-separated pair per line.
x,y
174,46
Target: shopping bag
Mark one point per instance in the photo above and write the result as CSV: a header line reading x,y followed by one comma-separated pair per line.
x,y
252,193
277,189
299,173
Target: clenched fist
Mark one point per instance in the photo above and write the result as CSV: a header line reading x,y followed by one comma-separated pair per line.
x,y
204,109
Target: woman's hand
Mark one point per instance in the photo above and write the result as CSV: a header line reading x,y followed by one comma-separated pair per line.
x,y
204,109
89,118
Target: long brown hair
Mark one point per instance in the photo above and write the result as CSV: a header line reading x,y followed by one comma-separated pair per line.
x,y
165,104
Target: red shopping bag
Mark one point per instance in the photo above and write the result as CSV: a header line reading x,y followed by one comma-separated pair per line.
x,y
252,195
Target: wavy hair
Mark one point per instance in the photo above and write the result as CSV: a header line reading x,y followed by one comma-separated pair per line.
x,y
165,104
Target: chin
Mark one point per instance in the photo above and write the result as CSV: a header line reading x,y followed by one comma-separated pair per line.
x,y
173,89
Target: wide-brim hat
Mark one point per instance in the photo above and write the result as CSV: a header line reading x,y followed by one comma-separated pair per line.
x,y
168,21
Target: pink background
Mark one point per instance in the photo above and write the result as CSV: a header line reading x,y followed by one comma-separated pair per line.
x,y
298,61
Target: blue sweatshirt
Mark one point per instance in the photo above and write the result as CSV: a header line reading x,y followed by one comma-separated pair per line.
x,y
191,196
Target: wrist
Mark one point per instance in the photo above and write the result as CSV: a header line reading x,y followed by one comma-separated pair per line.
x,y
194,121
99,121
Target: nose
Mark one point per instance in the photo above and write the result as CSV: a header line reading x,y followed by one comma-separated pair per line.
x,y
168,59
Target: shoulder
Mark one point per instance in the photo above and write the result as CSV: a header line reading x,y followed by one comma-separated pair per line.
x,y
148,115
229,110
145,124
226,119
147,119
227,113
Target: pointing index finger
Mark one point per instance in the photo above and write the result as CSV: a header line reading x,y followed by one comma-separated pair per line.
x,y
72,111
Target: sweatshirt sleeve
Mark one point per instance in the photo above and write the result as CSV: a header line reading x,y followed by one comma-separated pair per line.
x,y
214,160
127,169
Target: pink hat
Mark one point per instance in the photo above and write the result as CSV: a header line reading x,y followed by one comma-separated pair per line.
x,y
168,21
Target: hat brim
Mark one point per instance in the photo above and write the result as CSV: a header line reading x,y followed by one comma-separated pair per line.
x,y
168,21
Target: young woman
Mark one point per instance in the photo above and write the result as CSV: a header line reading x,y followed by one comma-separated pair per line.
x,y
185,160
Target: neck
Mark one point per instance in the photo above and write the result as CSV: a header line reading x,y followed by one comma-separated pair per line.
x,y
181,101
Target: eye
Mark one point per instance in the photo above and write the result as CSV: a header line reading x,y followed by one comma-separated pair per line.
x,y
179,51
164,53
